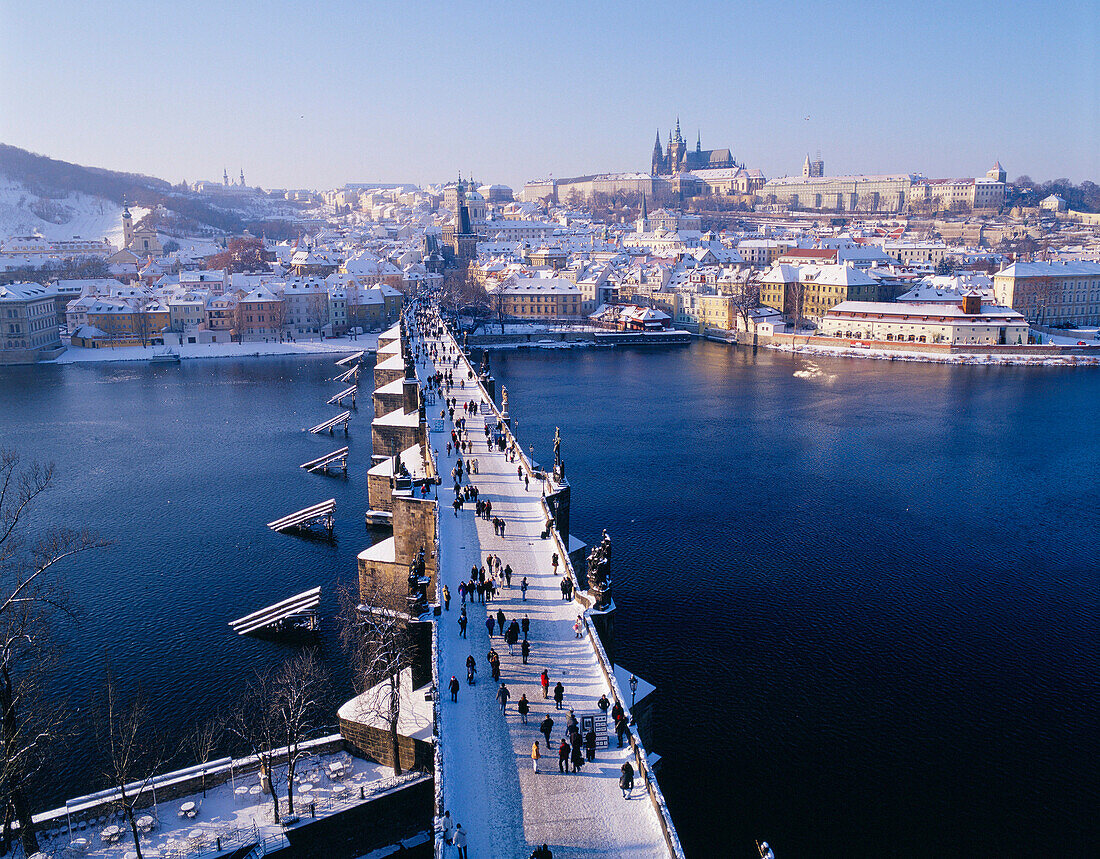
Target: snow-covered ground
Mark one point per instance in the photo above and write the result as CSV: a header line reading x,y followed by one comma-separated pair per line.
x,y
926,358
488,783
345,345
1072,337
236,812
22,213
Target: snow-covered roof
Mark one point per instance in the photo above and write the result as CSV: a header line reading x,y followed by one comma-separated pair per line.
x,y
1069,268
23,291
952,312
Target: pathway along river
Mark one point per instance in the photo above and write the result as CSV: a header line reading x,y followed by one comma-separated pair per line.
x,y
867,592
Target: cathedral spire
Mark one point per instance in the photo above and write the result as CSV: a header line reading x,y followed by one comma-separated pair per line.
x,y
698,140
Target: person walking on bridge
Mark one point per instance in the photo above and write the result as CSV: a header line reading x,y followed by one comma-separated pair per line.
x,y
626,779
462,621
523,707
490,622
459,841
453,686
525,650
523,588
559,694
502,696
544,679
563,757
535,754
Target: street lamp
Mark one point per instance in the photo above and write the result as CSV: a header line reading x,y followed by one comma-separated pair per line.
x,y
633,690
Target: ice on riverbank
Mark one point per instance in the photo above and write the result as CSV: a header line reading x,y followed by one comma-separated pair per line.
x,y
336,345
928,358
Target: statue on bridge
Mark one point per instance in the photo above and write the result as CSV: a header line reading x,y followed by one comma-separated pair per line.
x,y
599,573
484,372
559,464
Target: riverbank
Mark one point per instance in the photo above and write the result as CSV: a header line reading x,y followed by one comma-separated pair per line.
x,y
1046,359
336,345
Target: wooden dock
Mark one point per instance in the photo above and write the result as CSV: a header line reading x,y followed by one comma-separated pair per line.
x,y
338,399
323,463
348,375
351,359
297,612
332,423
309,517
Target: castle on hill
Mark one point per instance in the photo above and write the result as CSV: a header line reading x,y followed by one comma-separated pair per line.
x,y
677,158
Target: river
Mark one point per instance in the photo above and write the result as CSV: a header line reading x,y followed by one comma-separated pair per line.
x,y
867,592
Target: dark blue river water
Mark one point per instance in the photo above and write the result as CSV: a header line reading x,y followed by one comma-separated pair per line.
x,y
867,592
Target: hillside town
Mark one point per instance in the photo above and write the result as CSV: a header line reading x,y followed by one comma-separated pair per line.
x,y
700,243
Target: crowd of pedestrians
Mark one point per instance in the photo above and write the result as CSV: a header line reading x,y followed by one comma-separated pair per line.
x,y
488,583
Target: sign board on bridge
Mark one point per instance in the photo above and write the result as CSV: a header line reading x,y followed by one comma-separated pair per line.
x,y
436,424
595,722
486,408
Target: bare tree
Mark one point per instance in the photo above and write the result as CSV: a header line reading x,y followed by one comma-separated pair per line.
x,y
32,601
299,688
746,298
796,296
239,319
252,723
136,751
353,305
276,316
203,741
497,305
281,708
317,310
143,324
380,647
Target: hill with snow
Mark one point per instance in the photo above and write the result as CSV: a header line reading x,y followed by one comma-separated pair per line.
x,y
73,215
62,200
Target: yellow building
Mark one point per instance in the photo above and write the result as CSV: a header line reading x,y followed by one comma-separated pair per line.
x,y
543,299
1051,293
817,287
717,311
125,325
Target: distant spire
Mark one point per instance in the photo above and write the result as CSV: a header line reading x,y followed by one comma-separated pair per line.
x,y
698,141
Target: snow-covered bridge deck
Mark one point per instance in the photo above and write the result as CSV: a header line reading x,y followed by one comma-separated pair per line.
x,y
487,779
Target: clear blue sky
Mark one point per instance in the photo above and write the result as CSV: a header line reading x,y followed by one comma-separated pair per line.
x,y
305,95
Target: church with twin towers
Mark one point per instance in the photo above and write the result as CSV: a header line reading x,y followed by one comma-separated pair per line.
x,y
677,158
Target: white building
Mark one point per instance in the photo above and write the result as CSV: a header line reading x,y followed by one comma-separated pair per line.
x,y
968,323
306,305
28,323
